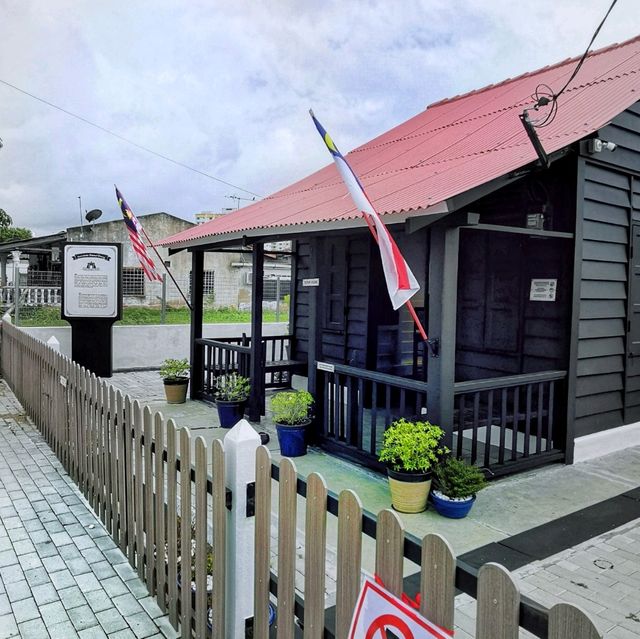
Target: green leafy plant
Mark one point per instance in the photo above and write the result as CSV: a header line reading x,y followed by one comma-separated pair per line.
x,y
232,387
412,446
174,370
457,479
292,407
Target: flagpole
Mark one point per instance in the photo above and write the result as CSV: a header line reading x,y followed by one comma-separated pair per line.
x,y
166,268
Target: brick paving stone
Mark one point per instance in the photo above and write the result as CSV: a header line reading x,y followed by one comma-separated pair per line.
x,y
62,579
96,632
13,573
25,610
53,613
34,629
82,617
63,630
44,594
98,600
18,590
111,620
114,586
30,560
54,564
142,625
137,588
8,626
127,605
103,570
87,582
123,634
72,597
23,547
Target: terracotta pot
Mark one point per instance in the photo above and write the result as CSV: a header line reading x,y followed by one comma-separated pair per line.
x,y
409,490
176,391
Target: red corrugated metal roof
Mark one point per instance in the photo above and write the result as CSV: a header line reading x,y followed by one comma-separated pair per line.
x,y
448,149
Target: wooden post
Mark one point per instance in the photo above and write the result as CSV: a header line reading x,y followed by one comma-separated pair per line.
x,y
240,445
443,292
256,399
197,311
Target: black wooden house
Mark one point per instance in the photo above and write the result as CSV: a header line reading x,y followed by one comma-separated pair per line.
x,y
529,287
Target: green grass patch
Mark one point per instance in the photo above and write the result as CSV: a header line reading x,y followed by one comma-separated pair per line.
x,y
144,315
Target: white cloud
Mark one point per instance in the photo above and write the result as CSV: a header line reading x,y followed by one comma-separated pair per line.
x,y
225,87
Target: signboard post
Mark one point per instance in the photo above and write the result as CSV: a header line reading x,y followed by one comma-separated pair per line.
x,y
378,611
92,302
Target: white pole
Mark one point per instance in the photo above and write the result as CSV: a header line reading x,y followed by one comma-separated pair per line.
x,y
240,445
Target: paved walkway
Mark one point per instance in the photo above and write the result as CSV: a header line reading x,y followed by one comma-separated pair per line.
x,y
61,575
601,575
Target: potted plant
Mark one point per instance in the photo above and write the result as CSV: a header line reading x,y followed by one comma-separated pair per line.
x,y
232,392
175,374
410,450
456,484
292,415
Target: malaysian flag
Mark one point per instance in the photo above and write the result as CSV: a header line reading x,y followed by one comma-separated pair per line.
x,y
401,283
135,231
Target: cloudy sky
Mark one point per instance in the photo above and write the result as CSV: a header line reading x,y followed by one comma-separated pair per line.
x,y
224,86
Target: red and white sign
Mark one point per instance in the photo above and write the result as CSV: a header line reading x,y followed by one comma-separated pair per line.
x,y
377,610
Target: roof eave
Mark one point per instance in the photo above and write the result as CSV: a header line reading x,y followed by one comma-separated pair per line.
x,y
297,230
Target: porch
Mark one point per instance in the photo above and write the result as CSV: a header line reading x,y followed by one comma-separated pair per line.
x,y
493,376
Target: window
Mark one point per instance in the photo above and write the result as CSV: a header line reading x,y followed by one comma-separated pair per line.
x,y
209,282
133,281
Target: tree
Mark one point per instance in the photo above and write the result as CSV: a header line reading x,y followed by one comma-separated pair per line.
x,y
5,219
14,233
9,232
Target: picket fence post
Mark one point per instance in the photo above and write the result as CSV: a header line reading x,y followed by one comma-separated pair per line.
x,y
240,446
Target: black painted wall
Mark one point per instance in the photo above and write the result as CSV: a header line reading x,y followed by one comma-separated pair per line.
x,y
607,384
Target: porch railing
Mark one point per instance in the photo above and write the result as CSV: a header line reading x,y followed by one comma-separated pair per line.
x,y
354,407
507,421
233,355
222,356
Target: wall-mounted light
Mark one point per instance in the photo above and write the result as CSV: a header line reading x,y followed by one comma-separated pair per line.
x,y
596,145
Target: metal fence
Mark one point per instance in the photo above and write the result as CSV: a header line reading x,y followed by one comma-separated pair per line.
x,y
169,516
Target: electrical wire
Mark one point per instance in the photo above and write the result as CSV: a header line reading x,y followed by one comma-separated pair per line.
x,y
127,140
544,94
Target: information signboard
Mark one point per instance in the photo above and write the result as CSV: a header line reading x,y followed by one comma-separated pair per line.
x,y
91,281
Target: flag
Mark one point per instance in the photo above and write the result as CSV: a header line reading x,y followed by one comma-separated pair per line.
x,y
135,232
401,283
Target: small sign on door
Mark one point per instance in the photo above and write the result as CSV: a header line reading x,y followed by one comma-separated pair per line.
x,y
543,290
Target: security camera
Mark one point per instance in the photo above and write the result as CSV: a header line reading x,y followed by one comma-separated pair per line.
x,y
596,146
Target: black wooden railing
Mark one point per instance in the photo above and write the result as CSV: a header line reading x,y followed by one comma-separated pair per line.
x,y
221,356
354,407
233,355
508,423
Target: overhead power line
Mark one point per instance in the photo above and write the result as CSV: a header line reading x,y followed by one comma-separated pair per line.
x,y
127,140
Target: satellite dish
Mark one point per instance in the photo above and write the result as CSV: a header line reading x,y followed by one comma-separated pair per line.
x,y
93,215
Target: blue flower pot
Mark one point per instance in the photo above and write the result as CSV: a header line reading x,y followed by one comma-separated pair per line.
x,y
451,509
230,413
292,439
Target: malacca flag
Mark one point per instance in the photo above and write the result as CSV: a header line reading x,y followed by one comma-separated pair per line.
x,y
401,283
135,235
